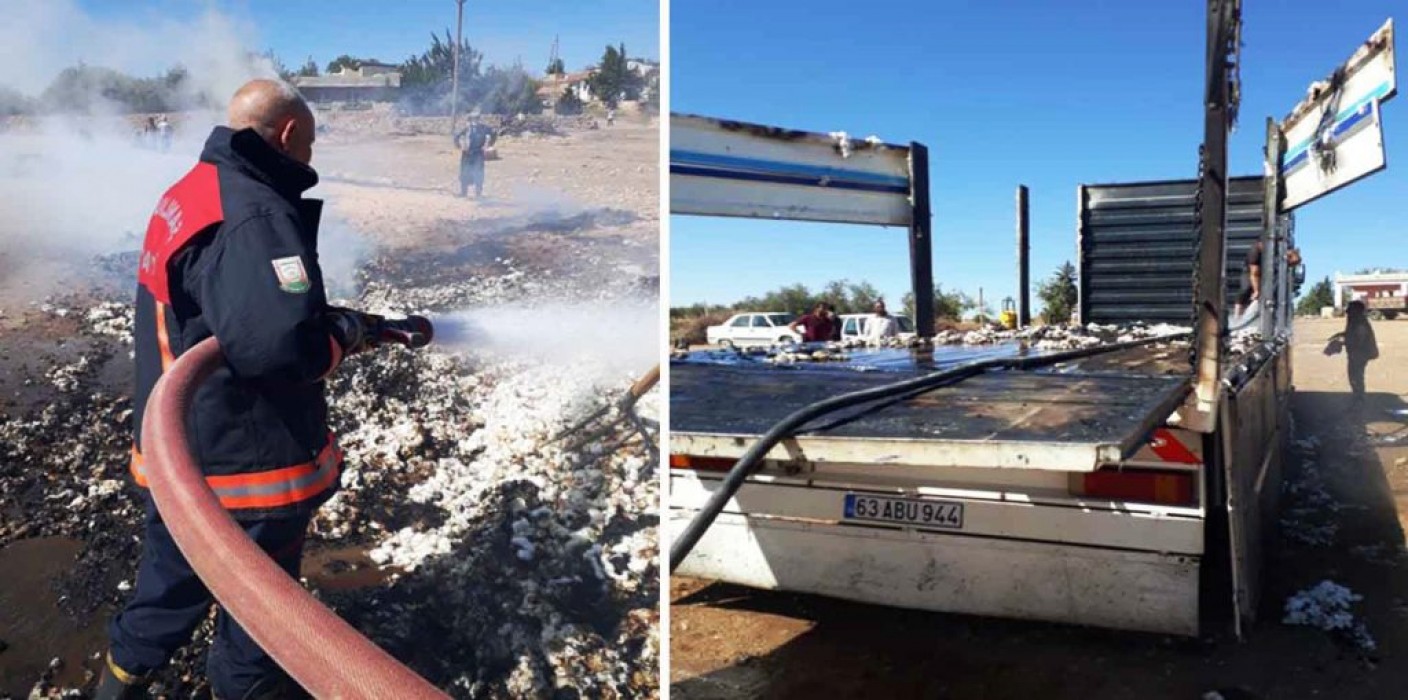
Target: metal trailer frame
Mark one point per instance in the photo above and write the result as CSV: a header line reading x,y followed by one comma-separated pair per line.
x,y
713,174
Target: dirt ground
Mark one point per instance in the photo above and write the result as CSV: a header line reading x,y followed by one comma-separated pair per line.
x,y
733,642
575,207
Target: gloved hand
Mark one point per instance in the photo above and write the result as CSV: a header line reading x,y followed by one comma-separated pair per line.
x,y
353,330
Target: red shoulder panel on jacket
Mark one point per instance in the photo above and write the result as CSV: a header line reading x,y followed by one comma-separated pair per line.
x,y
191,205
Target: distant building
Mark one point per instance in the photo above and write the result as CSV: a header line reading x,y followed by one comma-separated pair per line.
x,y
553,87
372,82
642,67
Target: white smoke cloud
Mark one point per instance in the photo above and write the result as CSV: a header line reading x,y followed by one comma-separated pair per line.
x,y
76,186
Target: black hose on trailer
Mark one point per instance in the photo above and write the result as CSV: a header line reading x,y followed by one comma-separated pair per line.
x,y
745,465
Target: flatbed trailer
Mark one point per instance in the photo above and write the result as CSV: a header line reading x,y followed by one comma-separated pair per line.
x,y
1058,494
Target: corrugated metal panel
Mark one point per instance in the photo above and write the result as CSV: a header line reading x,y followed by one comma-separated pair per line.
x,y
1137,243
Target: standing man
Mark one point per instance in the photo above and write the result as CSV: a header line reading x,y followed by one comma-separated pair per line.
x,y
817,326
471,141
231,252
163,131
1360,346
1251,277
881,325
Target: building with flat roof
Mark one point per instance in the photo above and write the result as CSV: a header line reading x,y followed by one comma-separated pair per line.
x,y
371,82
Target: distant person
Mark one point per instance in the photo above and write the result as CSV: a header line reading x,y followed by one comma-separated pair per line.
x,y
471,142
149,133
1251,274
836,323
881,325
1251,277
817,326
610,116
163,131
1359,345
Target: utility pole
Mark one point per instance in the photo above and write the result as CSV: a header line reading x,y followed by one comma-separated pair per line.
x,y
455,69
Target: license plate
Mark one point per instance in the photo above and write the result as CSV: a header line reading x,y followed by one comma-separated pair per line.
x,y
906,511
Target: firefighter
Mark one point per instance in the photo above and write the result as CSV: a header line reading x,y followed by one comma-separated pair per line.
x,y
231,252
471,142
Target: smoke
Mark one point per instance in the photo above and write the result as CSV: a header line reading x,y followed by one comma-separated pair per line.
x,y
617,337
73,186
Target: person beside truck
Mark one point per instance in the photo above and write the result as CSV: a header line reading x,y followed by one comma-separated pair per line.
x,y
881,325
817,326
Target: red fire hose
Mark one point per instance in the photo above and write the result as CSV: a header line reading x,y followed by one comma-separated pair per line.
x,y
317,648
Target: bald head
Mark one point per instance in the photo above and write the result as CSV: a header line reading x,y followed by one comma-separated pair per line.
x,y
278,114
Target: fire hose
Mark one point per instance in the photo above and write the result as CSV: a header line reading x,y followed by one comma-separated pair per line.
x,y
750,460
318,649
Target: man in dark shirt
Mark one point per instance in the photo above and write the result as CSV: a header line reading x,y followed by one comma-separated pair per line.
x,y
1251,277
817,325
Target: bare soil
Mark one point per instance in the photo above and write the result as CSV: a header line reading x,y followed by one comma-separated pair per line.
x,y
733,642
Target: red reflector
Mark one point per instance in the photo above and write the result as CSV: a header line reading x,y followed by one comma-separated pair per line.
x,y
708,464
1145,486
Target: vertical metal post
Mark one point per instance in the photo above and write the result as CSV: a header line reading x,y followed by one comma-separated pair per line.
x,y
1210,290
921,253
455,69
1273,249
1082,260
1024,312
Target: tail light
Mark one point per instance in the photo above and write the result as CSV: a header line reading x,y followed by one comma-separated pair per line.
x,y
705,464
1174,488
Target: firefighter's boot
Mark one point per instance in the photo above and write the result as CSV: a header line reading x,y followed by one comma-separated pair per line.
x,y
117,684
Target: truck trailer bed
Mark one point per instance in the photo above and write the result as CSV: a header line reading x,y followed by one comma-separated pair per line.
x,y
1075,416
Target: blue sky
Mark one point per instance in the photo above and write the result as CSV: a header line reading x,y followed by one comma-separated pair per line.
x,y
1005,92
504,30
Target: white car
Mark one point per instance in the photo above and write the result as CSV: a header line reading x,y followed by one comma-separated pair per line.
x,y
853,326
761,328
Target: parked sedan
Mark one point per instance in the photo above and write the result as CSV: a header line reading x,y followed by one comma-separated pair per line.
x,y
853,326
761,328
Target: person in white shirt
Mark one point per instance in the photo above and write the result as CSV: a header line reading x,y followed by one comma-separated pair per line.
x,y
880,326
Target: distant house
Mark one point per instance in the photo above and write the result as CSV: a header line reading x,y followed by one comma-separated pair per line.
x,y
642,67
553,87
371,82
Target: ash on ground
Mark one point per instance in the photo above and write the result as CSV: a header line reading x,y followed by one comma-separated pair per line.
x,y
518,561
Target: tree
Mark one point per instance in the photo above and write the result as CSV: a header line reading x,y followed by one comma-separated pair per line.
x,y
509,91
613,81
1059,294
861,297
425,79
947,305
343,61
278,65
556,67
309,69
569,104
14,102
1319,296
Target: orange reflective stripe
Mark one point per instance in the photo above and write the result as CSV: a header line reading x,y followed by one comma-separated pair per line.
x,y
267,489
162,340
136,467
282,498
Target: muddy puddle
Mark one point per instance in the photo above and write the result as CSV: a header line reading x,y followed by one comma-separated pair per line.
x,y
343,569
33,629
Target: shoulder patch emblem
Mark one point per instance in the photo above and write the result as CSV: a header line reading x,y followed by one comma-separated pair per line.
x,y
293,278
